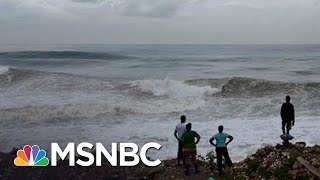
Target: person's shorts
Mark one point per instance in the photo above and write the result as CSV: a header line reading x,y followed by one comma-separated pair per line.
x,y
189,152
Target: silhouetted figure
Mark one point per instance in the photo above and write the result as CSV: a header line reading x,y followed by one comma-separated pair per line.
x,y
221,147
190,148
287,115
180,129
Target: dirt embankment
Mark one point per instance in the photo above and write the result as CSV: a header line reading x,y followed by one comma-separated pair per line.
x,y
270,162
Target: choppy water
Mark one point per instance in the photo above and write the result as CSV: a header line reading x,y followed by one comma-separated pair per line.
x,y
136,93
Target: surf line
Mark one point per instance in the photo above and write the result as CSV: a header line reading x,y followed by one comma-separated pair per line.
x,y
100,150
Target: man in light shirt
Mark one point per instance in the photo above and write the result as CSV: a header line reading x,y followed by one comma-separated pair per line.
x,y
221,147
180,129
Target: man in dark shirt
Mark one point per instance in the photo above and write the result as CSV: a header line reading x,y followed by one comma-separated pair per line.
x,y
287,115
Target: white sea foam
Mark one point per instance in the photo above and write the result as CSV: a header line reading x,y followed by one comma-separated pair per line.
x,y
36,113
4,69
249,134
172,88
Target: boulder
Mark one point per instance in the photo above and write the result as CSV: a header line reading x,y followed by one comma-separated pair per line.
x,y
300,144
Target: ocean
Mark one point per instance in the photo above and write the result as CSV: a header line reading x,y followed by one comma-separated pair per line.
x,y
137,93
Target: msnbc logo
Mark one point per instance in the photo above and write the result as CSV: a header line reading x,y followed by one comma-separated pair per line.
x,y
34,156
31,156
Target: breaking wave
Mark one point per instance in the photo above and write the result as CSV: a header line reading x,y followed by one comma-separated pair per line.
x,y
234,86
54,96
249,87
172,88
4,69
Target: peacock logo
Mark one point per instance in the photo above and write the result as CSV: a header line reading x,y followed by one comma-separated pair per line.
x,y
31,156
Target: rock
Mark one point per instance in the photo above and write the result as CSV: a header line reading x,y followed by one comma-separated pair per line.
x,y
238,169
293,174
261,152
279,146
269,148
285,154
254,176
156,170
306,151
314,162
266,160
272,159
297,165
215,171
300,144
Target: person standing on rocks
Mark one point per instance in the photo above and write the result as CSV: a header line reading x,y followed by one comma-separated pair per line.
x,y
180,129
190,139
287,115
221,147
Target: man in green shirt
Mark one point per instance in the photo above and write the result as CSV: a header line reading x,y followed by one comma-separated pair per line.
x,y
190,148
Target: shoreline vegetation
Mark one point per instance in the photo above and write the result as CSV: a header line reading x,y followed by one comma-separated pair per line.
x,y
269,162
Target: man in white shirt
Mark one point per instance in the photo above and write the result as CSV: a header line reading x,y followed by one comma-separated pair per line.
x,y
180,129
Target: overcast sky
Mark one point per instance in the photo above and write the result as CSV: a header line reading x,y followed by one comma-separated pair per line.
x,y
159,21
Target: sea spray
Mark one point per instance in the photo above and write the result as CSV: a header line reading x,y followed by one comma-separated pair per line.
x,y
172,88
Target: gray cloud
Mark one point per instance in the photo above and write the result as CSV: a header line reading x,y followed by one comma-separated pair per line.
x,y
136,8
159,21
142,8
151,8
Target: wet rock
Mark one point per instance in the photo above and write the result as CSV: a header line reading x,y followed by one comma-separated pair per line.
x,y
315,162
261,152
293,174
300,144
272,159
264,164
297,165
238,169
156,170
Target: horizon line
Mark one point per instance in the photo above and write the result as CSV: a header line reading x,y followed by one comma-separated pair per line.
x,y
208,44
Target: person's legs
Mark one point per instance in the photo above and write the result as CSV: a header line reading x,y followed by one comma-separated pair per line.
x,y
187,165
187,160
288,127
195,162
219,160
227,157
180,155
283,126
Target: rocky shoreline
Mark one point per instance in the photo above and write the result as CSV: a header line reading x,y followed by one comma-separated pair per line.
x,y
269,162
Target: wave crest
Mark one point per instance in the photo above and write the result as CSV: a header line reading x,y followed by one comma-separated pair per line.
x,y
172,88
249,87
4,69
